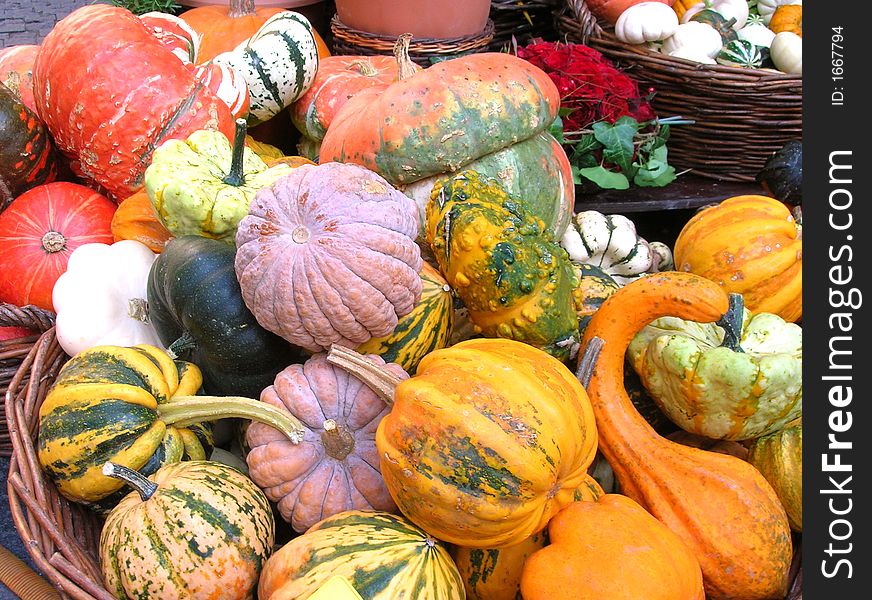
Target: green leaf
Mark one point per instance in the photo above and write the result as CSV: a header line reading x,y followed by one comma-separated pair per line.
x,y
576,176
588,143
617,141
645,178
605,179
556,129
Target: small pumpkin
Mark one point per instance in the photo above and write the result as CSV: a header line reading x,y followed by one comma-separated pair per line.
x,y
786,52
736,380
228,85
123,404
779,457
610,242
767,8
218,553
383,556
646,22
750,245
611,548
327,255
135,219
427,328
39,231
278,63
787,17
781,175
196,308
100,299
27,153
694,39
515,281
459,470
594,286
335,466
740,53
721,506
203,185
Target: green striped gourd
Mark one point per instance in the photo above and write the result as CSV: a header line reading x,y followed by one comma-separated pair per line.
x,y
427,328
740,53
383,556
594,287
193,530
278,62
134,406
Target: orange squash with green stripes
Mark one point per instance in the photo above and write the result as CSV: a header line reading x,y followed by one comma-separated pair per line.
x,y
426,328
750,245
383,557
485,443
193,530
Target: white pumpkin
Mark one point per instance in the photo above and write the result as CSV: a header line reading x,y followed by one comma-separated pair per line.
x,y
101,298
646,22
699,39
278,62
786,52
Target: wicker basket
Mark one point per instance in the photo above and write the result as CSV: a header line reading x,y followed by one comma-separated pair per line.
x,y
741,115
522,21
423,51
63,537
12,352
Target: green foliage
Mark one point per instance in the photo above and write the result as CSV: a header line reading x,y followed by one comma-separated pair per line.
x,y
140,7
613,156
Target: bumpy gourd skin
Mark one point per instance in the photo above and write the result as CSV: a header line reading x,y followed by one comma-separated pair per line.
x,y
513,278
185,182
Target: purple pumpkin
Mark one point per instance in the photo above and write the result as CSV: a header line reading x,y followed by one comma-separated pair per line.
x,y
335,467
327,255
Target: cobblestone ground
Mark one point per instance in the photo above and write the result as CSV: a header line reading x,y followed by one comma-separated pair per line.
x,y
28,21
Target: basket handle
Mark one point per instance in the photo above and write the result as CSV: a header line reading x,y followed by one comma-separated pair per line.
x,y
28,316
590,26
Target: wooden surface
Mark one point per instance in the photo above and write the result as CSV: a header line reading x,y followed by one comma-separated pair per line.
x,y
686,192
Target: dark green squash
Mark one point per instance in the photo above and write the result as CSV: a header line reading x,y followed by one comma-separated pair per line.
x,y
196,306
27,153
781,176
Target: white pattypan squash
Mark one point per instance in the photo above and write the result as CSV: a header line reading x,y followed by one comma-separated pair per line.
x,y
101,298
700,39
786,52
757,33
646,22
729,9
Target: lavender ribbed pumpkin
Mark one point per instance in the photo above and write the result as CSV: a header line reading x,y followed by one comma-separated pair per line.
x,y
327,254
336,466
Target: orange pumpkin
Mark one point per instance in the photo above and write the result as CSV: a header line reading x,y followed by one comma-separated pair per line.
x,y
135,219
787,17
750,245
610,10
614,549
223,27
721,506
487,441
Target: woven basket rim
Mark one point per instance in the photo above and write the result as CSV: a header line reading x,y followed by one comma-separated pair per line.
x,y
593,30
385,43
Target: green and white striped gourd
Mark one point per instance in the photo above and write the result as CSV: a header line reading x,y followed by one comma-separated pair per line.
x,y
611,243
740,53
278,62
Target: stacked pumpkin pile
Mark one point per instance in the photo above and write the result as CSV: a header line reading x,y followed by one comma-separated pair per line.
x,y
734,33
418,450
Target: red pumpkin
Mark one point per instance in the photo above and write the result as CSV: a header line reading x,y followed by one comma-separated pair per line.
x,y
39,231
110,93
16,71
174,33
610,10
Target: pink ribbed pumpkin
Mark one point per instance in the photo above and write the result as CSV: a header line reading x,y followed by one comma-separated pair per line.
x,y
335,467
327,255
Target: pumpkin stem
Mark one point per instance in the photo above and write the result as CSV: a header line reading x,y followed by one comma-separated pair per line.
x,y
241,8
134,479
587,362
53,241
137,308
338,441
185,343
236,176
182,411
382,382
363,66
731,323
405,63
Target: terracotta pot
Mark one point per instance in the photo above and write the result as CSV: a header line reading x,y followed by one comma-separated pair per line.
x,y
422,18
